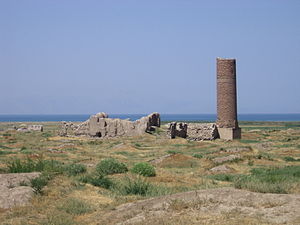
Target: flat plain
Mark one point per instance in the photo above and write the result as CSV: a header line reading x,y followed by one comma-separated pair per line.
x,y
255,180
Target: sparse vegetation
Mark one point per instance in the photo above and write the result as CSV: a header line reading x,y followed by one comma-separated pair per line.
x,y
137,186
197,155
97,180
291,159
75,206
75,169
271,180
94,171
38,183
29,165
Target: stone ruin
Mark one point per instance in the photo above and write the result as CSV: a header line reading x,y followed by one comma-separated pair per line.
x,y
100,125
226,126
193,131
25,128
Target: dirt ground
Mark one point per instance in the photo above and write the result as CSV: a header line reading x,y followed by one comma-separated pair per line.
x,y
194,182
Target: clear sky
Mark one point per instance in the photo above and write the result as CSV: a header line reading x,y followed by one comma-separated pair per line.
x,y
138,56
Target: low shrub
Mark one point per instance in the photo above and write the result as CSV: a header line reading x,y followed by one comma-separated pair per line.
x,y
97,180
111,166
198,156
144,169
75,169
135,187
38,183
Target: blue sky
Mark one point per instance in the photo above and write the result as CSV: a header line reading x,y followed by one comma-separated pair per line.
x,y
140,56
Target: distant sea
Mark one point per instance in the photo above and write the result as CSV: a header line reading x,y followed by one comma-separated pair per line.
x,y
164,117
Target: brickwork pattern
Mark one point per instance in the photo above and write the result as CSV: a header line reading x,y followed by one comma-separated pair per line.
x,y
226,93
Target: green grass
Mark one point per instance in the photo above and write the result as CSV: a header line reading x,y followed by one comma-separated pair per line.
x,y
272,180
137,186
75,169
5,152
198,156
144,169
245,141
291,159
174,152
47,134
38,183
111,166
97,180
29,165
225,177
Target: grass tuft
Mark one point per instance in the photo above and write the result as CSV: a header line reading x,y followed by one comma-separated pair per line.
x,y
273,180
75,206
144,169
75,169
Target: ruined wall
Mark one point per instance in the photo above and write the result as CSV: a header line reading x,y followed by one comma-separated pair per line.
x,y
100,125
193,131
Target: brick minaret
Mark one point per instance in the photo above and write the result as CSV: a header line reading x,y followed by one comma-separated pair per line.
x,y
226,100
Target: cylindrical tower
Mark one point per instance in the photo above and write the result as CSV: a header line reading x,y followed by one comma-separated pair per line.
x,y
227,99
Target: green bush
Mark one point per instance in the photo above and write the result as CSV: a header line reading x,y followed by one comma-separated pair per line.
x,y
97,180
197,155
111,166
75,169
144,169
290,159
38,183
75,206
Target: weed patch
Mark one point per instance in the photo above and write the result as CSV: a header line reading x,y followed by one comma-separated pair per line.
x,y
137,186
144,169
38,183
29,165
173,152
245,141
291,159
75,169
273,180
75,206
111,166
198,156
97,180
